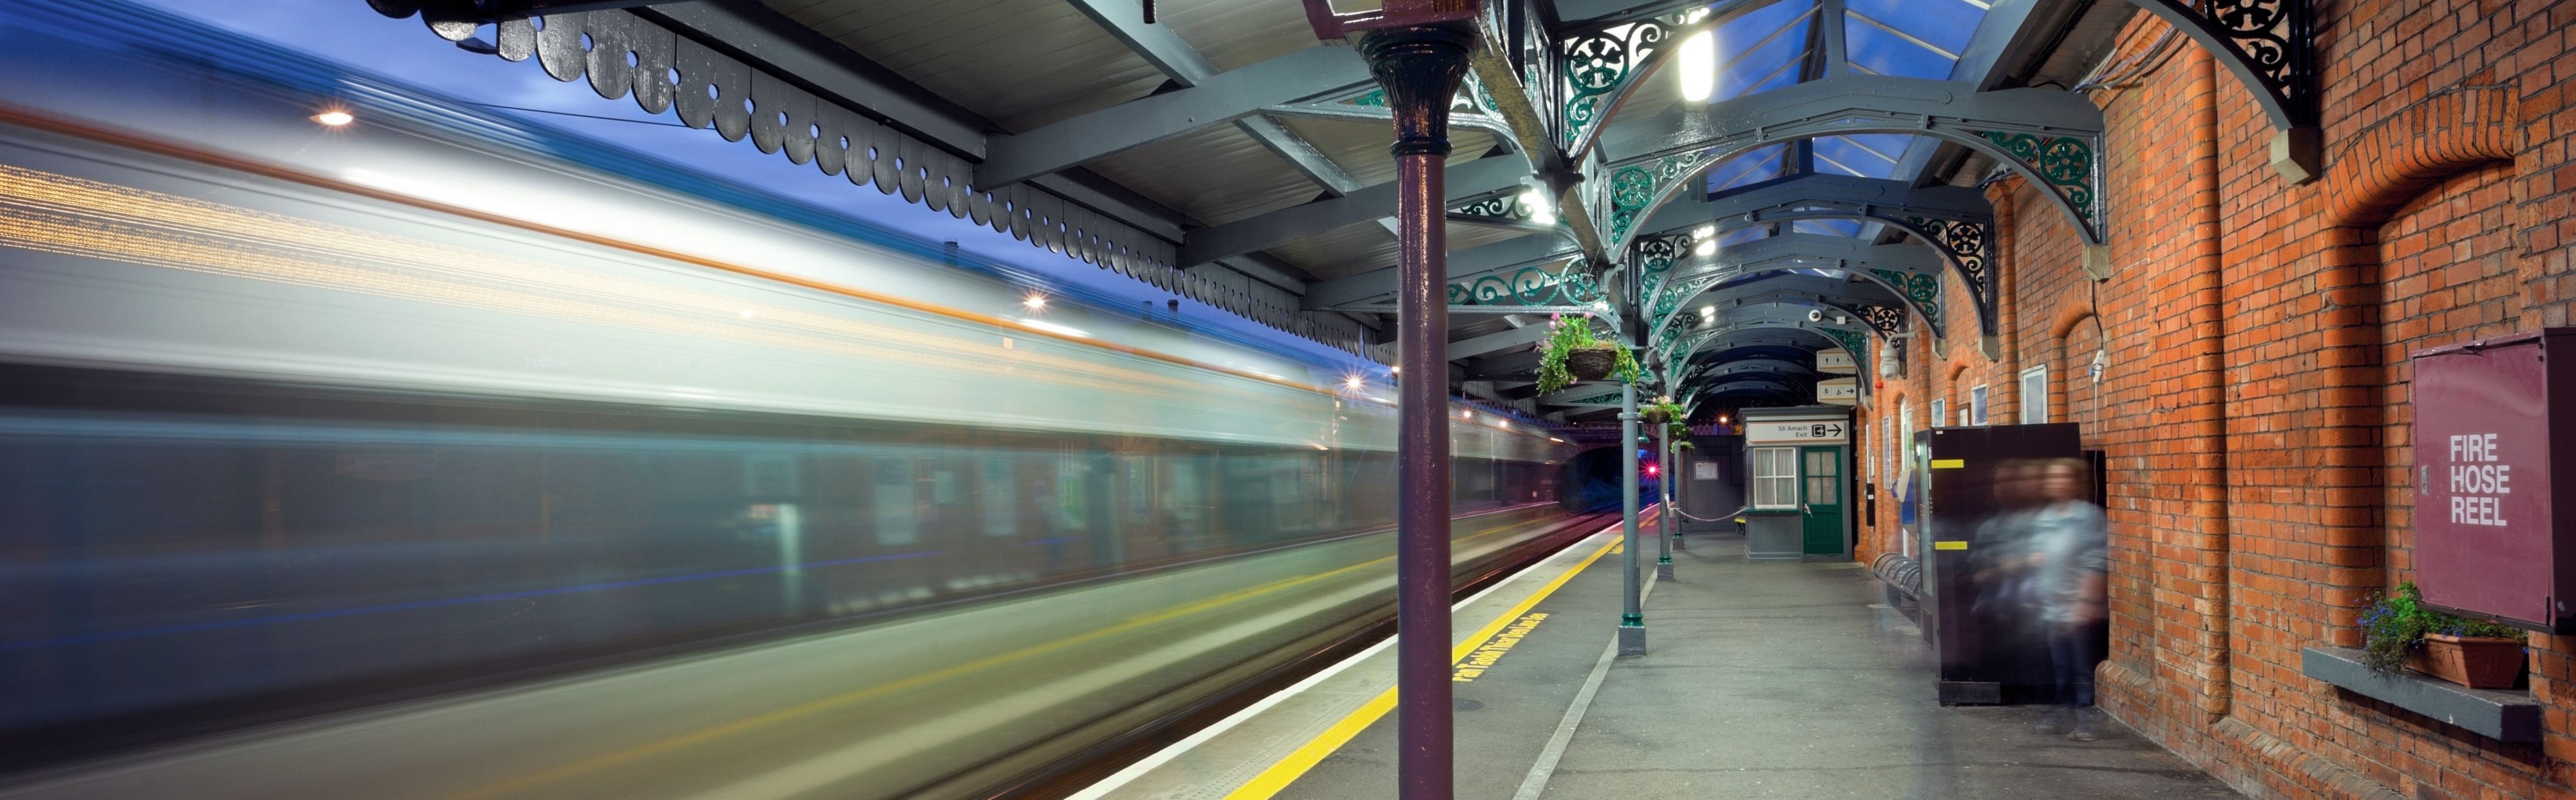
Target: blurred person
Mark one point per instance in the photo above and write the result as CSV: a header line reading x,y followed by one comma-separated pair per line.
x,y
2069,563
2002,552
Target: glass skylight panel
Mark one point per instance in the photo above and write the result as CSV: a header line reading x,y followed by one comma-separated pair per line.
x,y
1910,38
1763,49
1872,155
1847,228
1742,235
1754,166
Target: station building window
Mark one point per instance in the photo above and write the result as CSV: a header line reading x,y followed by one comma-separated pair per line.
x,y
1775,477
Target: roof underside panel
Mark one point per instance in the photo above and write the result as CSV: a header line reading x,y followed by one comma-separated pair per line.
x,y
1359,147
1235,33
1019,63
1342,252
1215,175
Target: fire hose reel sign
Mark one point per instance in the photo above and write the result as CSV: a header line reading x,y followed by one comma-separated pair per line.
x,y
2488,540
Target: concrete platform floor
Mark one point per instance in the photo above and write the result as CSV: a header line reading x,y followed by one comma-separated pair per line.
x,y
1784,681
1761,681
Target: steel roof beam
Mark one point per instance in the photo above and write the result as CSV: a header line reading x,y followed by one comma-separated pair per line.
x,y
1580,391
1781,199
1815,251
1761,365
1177,60
1858,104
1466,180
1219,98
1497,342
1506,366
1464,265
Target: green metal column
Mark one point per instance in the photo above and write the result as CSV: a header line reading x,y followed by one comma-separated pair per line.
x,y
1632,619
1664,488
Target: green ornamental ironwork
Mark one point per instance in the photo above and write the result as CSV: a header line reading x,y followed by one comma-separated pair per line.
x,y
2065,162
1924,291
1527,286
1595,66
1634,189
1498,207
1610,399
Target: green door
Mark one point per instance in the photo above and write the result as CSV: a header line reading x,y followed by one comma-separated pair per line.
x,y
1824,506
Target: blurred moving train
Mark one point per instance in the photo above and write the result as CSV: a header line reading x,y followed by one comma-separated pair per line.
x,y
322,475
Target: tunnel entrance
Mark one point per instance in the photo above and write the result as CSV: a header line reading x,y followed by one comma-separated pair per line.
x,y
1589,481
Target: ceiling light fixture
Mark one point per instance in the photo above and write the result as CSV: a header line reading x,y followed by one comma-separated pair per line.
x,y
335,118
1699,66
1541,211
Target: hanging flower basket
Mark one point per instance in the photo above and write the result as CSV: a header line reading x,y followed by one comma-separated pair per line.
x,y
1591,363
1571,354
1655,416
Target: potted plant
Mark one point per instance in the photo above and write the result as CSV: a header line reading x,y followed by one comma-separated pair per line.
x,y
1660,412
2400,633
1571,353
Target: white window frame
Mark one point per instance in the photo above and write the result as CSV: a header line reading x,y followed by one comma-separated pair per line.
x,y
2034,404
1977,398
1940,412
1765,487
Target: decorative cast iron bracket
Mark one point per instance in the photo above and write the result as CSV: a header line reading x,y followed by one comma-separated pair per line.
x,y
2270,46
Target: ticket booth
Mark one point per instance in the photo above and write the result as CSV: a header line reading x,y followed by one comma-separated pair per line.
x,y
1797,491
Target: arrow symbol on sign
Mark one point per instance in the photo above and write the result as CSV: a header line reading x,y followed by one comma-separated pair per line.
x,y
1836,430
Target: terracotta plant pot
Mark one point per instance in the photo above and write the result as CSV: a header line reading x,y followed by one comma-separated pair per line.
x,y
1591,363
2474,662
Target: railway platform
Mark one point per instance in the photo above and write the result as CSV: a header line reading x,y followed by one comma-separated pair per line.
x,y
1761,680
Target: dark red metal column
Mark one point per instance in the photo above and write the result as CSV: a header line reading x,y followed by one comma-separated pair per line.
x,y
1420,68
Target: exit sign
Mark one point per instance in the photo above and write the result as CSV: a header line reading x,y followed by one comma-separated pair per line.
x,y
2489,535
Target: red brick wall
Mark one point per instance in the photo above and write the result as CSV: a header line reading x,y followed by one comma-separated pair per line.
x,y
2254,403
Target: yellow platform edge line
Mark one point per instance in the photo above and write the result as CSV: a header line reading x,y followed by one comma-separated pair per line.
x,y
1295,765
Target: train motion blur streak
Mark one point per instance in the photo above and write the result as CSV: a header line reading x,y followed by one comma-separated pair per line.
x,y
310,494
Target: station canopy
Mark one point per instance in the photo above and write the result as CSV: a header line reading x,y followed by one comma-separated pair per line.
x,y
1223,152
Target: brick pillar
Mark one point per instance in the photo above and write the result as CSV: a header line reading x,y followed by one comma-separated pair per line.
x,y
2193,650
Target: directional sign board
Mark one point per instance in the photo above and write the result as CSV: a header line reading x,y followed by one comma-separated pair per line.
x,y
1838,391
1836,361
1823,431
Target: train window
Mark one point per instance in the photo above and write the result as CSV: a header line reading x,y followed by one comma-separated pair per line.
x,y
1072,501
893,500
1001,498
943,487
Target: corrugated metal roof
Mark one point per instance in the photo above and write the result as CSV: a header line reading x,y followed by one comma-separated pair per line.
x,y
1215,175
1019,63
1341,252
1360,146
1235,33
